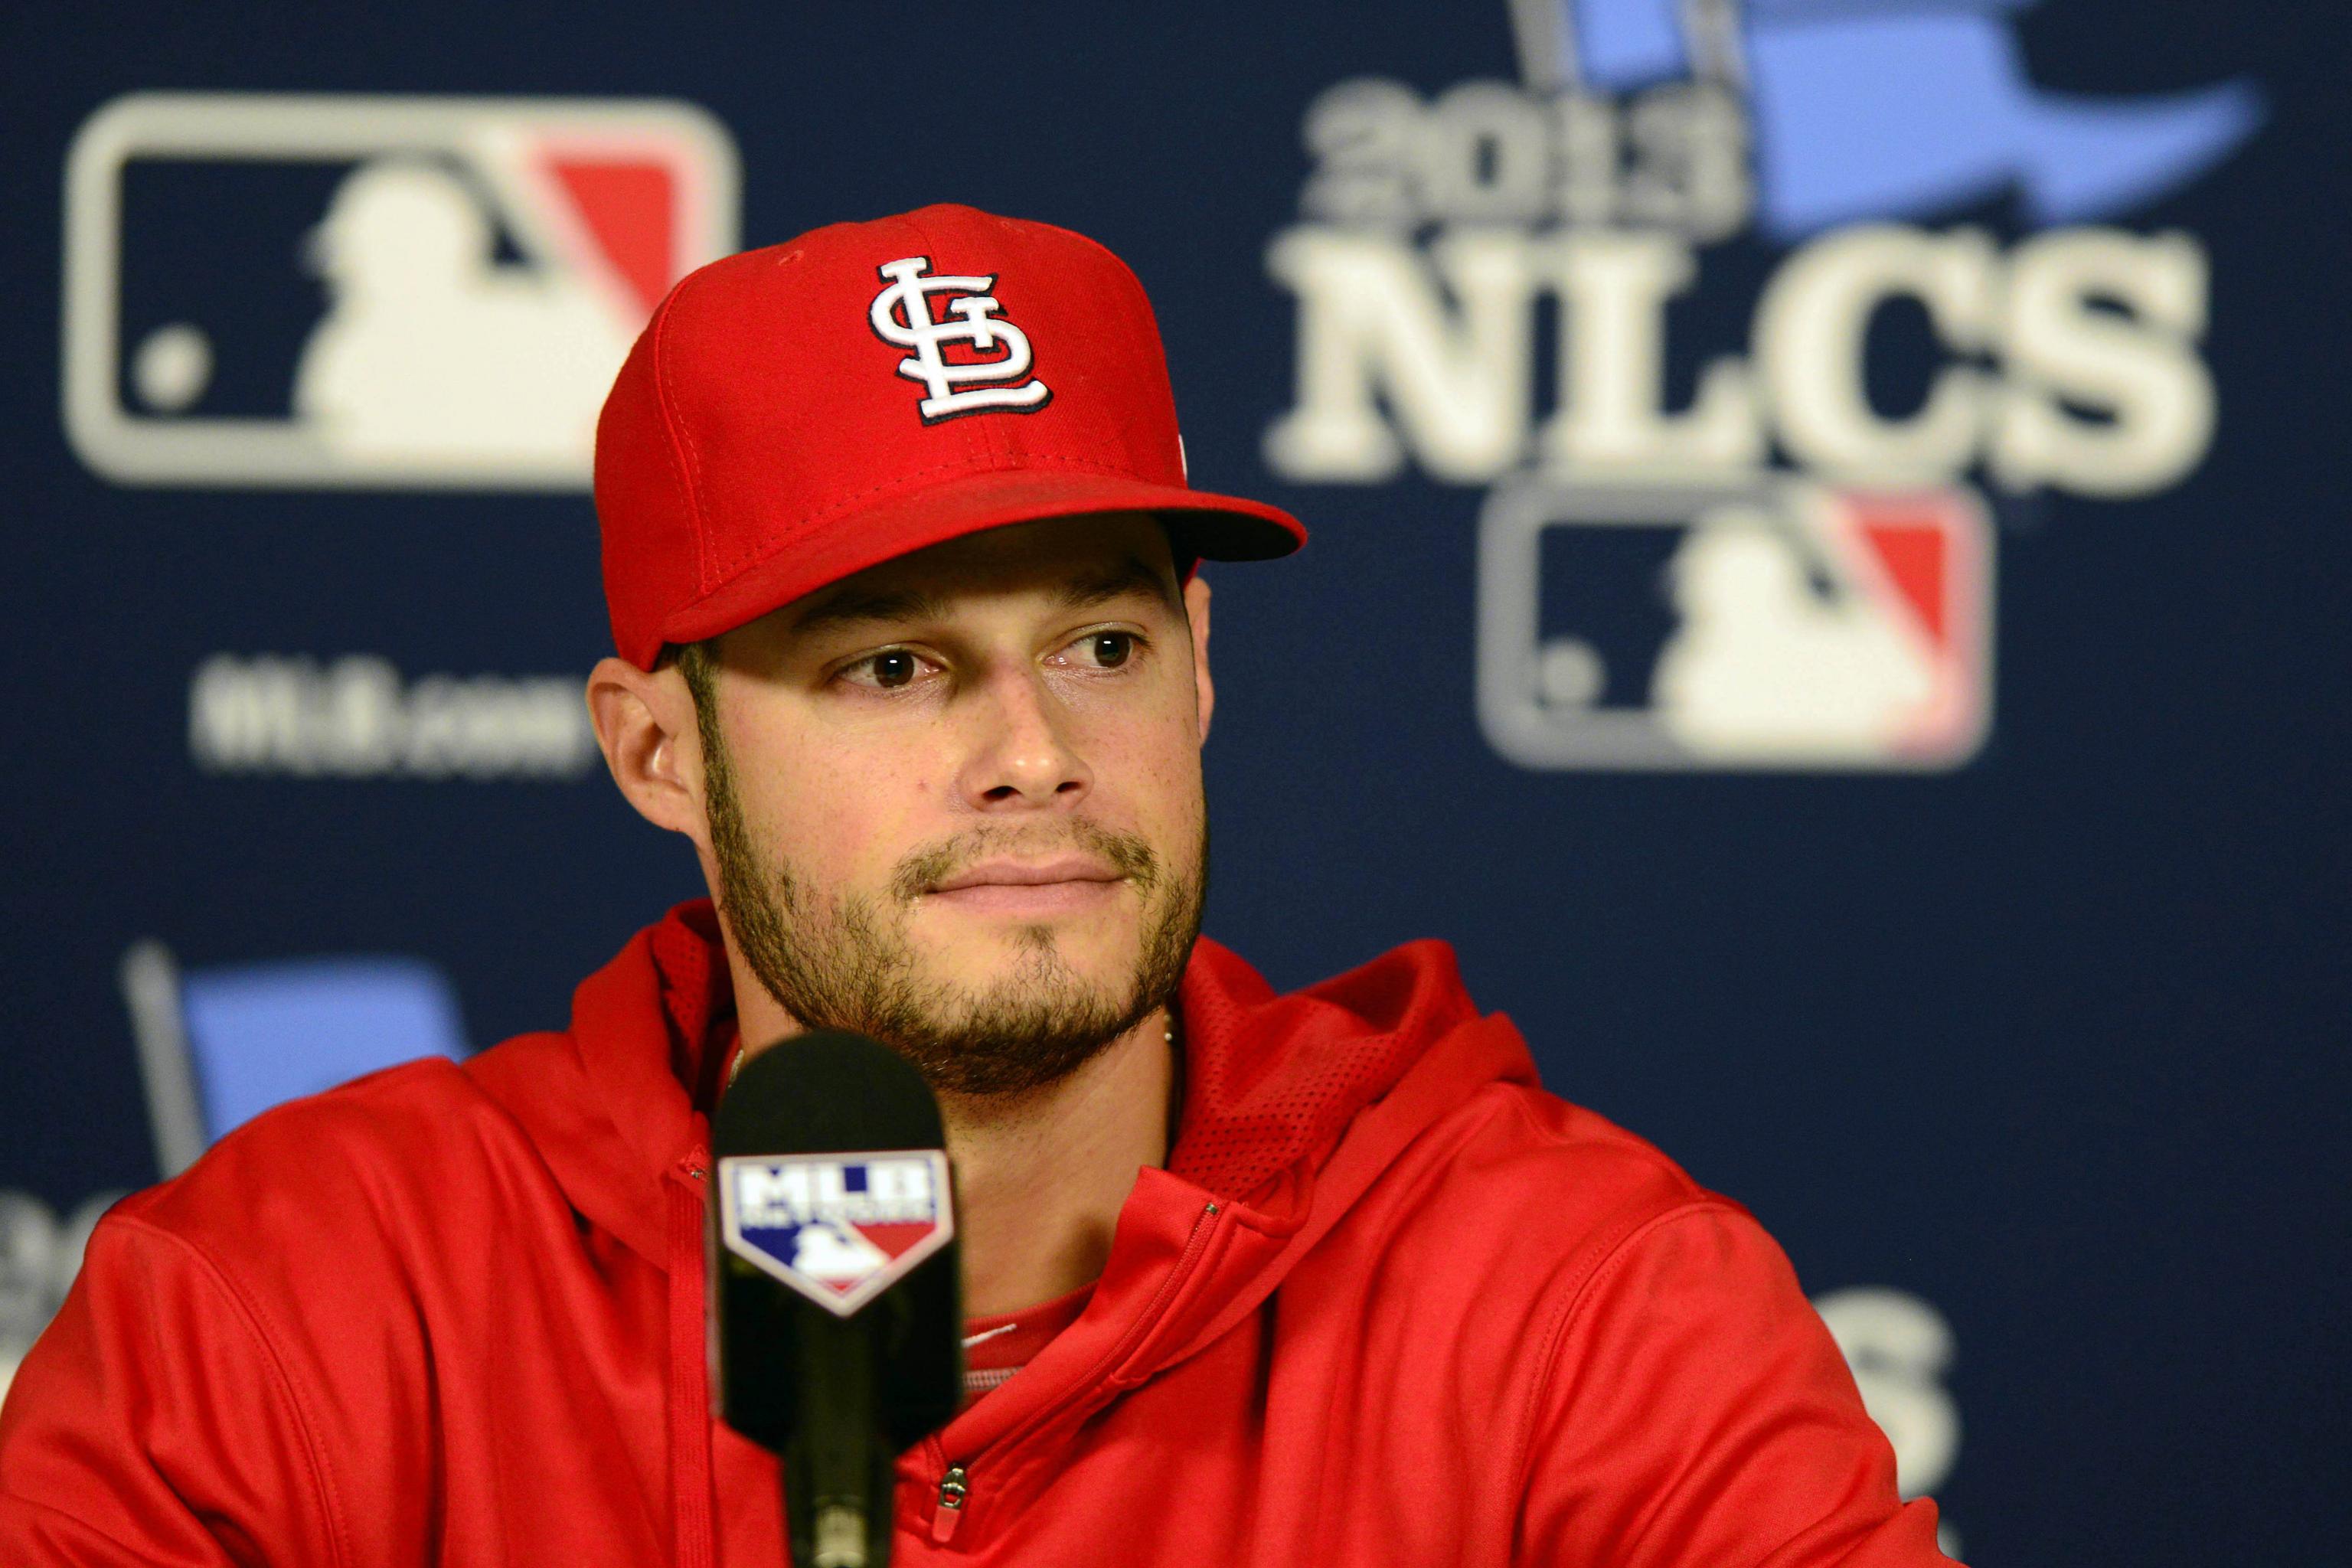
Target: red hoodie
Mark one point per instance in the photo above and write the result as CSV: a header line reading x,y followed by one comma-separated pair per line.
x,y
1389,1303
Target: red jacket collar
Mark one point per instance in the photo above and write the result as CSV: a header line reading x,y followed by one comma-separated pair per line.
x,y
1271,1082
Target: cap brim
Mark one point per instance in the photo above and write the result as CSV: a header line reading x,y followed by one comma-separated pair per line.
x,y
827,549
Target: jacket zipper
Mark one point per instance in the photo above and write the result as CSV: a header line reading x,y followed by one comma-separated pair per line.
x,y
689,1373
954,1486
955,1481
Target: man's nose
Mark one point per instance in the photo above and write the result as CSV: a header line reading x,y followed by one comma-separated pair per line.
x,y
1023,751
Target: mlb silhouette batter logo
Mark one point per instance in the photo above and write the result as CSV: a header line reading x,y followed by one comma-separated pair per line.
x,y
415,293
1788,625
838,1229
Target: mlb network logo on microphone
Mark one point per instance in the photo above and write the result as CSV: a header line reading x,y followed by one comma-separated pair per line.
x,y
838,1229
357,291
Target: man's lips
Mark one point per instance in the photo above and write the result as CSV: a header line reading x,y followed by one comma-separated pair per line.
x,y
1028,874
1038,887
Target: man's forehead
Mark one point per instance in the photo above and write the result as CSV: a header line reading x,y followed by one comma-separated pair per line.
x,y
1074,561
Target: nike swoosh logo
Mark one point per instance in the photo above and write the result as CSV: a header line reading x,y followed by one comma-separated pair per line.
x,y
990,1335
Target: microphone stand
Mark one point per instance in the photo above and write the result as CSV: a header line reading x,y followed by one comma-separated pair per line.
x,y
838,1482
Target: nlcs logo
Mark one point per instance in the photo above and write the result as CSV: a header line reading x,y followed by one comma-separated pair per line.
x,y
901,314
1758,558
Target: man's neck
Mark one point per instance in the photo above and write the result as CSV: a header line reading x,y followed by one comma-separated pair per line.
x,y
1040,1177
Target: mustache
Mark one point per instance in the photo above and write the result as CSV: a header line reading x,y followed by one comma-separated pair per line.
x,y
1130,854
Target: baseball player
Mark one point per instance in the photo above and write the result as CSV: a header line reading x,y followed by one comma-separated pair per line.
x,y
911,645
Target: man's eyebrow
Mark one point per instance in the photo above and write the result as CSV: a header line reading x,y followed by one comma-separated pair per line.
x,y
852,609
1131,575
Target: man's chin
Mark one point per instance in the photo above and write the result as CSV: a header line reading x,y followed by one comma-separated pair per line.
x,y
1010,957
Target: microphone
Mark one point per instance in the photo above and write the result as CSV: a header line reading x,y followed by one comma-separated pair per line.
x,y
836,1297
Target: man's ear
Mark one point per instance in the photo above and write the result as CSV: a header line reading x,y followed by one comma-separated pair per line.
x,y
1196,611
645,726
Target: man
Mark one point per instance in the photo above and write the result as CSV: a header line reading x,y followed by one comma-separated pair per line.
x,y
911,647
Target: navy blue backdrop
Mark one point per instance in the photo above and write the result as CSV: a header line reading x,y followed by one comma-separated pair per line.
x,y
1990,944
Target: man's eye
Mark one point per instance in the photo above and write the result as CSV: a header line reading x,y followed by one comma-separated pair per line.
x,y
1107,650
889,670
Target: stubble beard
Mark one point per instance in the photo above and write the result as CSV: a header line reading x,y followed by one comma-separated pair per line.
x,y
844,961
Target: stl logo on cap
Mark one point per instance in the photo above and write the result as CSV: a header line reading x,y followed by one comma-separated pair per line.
x,y
901,314
838,1229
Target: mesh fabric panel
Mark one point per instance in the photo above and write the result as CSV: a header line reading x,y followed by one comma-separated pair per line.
x,y
1271,1082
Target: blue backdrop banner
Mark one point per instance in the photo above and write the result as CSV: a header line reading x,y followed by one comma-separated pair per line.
x,y
1826,587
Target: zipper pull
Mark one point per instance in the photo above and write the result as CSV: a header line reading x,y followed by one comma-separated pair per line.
x,y
954,1487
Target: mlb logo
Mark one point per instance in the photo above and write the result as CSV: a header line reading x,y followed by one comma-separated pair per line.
x,y
1778,626
371,291
838,1229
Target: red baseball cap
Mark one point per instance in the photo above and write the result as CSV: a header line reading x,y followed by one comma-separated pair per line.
x,y
795,414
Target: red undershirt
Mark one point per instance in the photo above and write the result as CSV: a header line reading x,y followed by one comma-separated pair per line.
x,y
995,1348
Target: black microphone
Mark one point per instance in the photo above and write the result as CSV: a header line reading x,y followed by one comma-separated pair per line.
x,y
836,1296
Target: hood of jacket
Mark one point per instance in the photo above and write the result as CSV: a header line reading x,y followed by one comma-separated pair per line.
x,y
1275,1086
1293,1104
